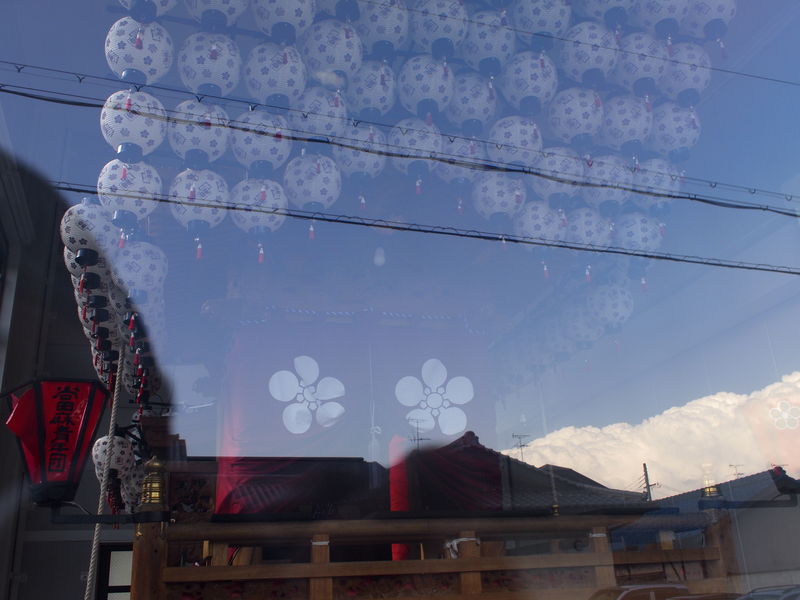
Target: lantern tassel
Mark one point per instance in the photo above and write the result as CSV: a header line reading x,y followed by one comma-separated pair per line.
x,y
722,48
545,270
460,206
198,252
260,253
644,284
588,274
418,186
429,119
121,242
311,233
137,43
362,202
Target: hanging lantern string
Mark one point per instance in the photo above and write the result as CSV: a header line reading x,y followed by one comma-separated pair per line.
x,y
357,144
101,502
474,234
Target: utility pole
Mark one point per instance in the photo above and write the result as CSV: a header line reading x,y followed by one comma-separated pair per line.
x,y
519,437
736,472
647,485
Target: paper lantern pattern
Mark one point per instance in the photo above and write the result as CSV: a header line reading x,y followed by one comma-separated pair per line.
x,y
114,453
198,195
575,112
146,47
532,18
130,117
598,10
312,179
655,176
587,226
414,140
361,151
529,75
462,159
474,98
231,9
260,136
592,47
497,193
610,305
209,59
318,113
610,179
372,88
273,69
689,70
131,187
580,325
489,38
635,231
433,20
386,22
330,48
559,172
626,120
516,141
198,126
88,226
424,78
537,220
674,128
140,266
649,15
265,205
708,18
299,14
640,64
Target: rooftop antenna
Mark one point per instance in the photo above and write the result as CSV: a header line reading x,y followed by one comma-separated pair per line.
x,y
736,472
417,439
519,437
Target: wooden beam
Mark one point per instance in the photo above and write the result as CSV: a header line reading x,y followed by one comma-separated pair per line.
x,y
470,582
320,588
385,567
149,561
604,574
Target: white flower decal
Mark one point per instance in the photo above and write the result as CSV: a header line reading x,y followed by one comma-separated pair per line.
x,y
435,400
785,415
311,397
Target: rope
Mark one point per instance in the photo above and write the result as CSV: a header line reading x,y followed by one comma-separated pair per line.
x,y
101,502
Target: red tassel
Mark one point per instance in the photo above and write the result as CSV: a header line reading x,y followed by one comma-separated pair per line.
x,y
371,134
131,341
139,371
198,253
429,119
588,274
121,242
541,60
362,202
670,49
278,134
83,313
111,380
644,284
503,242
446,69
419,186
94,328
648,104
124,173
722,48
263,193
214,54
597,101
589,160
132,322
96,359
260,253
82,283
336,100
460,206
318,167
128,103
136,357
545,271
491,88
137,43
192,193
311,234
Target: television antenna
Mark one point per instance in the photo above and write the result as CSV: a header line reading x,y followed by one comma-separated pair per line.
x,y
519,437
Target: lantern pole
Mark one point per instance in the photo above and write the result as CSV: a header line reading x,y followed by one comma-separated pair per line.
x,y
101,502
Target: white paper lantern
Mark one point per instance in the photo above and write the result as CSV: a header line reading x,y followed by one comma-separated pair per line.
x,y
515,141
640,64
529,82
416,142
87,225
118,302
155,9
587,226
266,205
260,137
100,268
425,85
613,13
610,305
462,160
675,130
361,151
537,220
209,63
141,267
144,48
198,127
581,326
497,194
590,55
133,188
653,177
312,180
275,74
611,179
283,20
438,26
115,453
332,52
662,17
635,231
474,103
627,122
191,194
709,19
575,115
560,170
383,27
133,120
217,13
318,113
687,74
372,90
132,487
490,42
538,20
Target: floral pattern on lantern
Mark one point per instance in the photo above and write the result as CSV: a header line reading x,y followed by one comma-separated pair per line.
x,y
610,305
297,13
265,203
273,69
610,179
575,112
474,97
413,139
432,20
199,126
532,18
559,173
361,151
488,36
537,220
641,57
140,266
580,325
635,231
146,47
232,9
591,46
497,193
587,226
372,87
131,187
101,269
330,49
626,119
87,225
319,112
688,69
703,12
674,128
515,141
383,22
655,176
312,178
648,14
260,136
114,453
191,194
209,59
424,78
529,75
457,156
130,117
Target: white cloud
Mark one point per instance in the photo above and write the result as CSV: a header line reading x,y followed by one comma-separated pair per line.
x,y
751,431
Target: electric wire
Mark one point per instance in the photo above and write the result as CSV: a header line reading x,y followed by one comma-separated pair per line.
x,y
82,77
441,230
449,159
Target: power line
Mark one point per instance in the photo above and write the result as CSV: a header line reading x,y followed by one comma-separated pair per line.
x,y
450,159
82,77
448,231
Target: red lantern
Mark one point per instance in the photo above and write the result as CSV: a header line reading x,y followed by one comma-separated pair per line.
x,y
55,422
